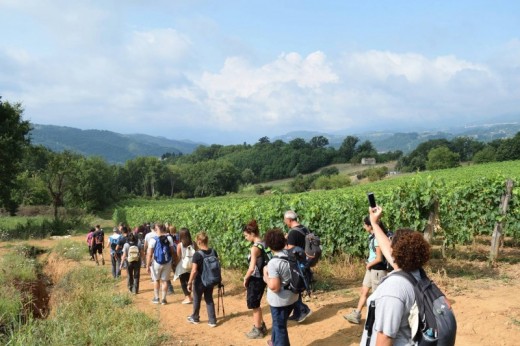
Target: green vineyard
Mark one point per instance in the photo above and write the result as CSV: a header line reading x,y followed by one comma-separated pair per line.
x,y
465,199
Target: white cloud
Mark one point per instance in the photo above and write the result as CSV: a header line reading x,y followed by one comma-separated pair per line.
x,y
273,94
91,69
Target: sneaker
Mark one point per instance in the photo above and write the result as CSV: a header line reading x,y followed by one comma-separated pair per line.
x,y
293,318
255,333
187,301
170,290
353,317
263,329
212,324
304,316
155,300
192,320
164,302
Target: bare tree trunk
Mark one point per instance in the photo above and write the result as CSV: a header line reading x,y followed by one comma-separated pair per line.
x,y
497,232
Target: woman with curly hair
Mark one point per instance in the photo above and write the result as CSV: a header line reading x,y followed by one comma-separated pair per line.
x,y
394,298
277,275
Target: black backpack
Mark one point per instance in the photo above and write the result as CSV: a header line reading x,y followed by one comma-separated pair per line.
x,y
211,271
312,245
300,272
99,237
437,324
261,262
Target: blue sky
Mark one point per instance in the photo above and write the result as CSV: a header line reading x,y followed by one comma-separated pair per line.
x,y
234,71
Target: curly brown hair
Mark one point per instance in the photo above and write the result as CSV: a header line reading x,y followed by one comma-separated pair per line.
x,y
410,250
275,239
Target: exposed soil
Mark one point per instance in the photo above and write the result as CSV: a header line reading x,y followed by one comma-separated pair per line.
x,y
487,308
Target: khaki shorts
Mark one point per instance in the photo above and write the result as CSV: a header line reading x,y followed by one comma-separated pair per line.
x,y
161,271
373,277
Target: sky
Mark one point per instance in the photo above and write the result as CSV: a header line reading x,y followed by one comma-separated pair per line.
x,y
234,71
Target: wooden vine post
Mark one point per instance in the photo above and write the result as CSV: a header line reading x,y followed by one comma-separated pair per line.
x,y
433,222
497,232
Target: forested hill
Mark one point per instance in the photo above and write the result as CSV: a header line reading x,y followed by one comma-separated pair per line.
x,y
408,141
118,148
113,147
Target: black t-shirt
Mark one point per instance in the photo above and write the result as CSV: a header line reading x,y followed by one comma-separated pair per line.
x,y
296,237
199,259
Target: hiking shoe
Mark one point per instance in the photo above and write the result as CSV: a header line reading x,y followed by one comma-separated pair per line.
x,y
353,317
263,329
194,321
304,316
155,300
164,302
293,318
255,333
212,324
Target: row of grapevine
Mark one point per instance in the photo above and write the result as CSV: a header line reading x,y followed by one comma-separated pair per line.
x,y
468,200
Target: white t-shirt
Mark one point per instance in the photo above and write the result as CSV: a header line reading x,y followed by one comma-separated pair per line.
x,y
394,298
152,241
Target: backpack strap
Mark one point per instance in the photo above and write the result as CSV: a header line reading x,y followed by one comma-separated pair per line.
x,y
302,229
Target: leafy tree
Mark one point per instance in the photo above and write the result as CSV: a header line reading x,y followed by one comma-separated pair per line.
x,y
319,142
93,184
466,147
248,176
298,143
442,157
13,139
264,140
488,154
347,148
365,149
59,177
416,160
509,149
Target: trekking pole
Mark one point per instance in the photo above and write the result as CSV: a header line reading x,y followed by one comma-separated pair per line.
x,y
220,295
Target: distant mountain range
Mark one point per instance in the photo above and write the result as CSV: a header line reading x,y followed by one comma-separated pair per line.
x,y
113,147
118,148
408,141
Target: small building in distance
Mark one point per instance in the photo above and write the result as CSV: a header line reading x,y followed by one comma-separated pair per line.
x,y
368,161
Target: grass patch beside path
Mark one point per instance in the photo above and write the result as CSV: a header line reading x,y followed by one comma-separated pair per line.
x,y
86,311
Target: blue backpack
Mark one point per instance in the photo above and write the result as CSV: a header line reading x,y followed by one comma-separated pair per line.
x,y
161,251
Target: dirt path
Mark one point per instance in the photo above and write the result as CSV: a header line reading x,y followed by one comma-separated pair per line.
x,y
487,311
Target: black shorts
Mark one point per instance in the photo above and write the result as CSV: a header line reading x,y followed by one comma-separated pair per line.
x,y
255,291
97,248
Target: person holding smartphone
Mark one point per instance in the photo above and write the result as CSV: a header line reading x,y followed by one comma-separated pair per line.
x,y
375,270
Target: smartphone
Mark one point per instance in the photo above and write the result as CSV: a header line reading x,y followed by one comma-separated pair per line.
x,y
371,199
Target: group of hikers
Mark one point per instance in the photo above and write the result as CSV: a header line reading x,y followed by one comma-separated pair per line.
x,y
161,250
